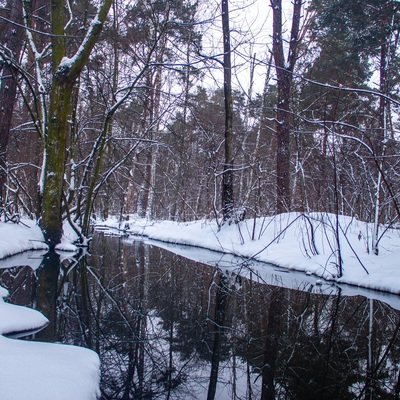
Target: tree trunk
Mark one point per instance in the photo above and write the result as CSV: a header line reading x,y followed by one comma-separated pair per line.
x,y
12,39
283,191
65,73
55,148
227,175
380,141
284,72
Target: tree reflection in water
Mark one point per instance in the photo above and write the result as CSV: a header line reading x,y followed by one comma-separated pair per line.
x,y
169,328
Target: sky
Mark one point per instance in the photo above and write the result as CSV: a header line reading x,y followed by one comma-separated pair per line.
x,y
250,26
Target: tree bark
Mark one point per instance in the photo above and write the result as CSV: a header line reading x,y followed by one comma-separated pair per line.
x,y
380,141
65,73
55,148
12,39
284,73
227,175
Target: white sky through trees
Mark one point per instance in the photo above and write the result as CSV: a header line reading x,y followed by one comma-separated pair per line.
x,y
250,34
251,31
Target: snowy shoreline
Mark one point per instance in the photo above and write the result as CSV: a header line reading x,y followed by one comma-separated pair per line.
x,y
18,238
294,241
36,370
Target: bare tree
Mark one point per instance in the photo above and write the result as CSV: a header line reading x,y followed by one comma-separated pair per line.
x,y
55,117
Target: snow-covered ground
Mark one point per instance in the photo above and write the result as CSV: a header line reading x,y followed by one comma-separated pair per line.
x,y
302,242
16,238
34,370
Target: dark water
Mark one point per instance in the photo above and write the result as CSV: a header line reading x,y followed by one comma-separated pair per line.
x,y
166,327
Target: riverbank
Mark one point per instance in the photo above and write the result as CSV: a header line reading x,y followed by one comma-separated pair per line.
x,y
30,369
317,244
17,238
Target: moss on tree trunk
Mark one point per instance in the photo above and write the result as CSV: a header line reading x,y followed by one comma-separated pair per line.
x,y
65,73
55,147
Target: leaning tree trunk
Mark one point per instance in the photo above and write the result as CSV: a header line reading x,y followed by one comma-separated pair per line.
x,y
65,73
55,148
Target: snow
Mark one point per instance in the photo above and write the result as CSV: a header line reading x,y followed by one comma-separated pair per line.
x,y
16,238
68,239
18,319
38,371
34,370
295,241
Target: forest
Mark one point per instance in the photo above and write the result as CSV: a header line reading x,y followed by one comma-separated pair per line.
x,y
188,109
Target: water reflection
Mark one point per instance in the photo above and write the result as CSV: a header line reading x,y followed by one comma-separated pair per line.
x,y
169,328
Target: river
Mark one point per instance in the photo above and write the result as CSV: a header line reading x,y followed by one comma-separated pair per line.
x,y
168,327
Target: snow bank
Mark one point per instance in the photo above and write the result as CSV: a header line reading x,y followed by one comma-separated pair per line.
x,y
33,370
17,318
42,371
68,240
46,371
16,238
302,242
